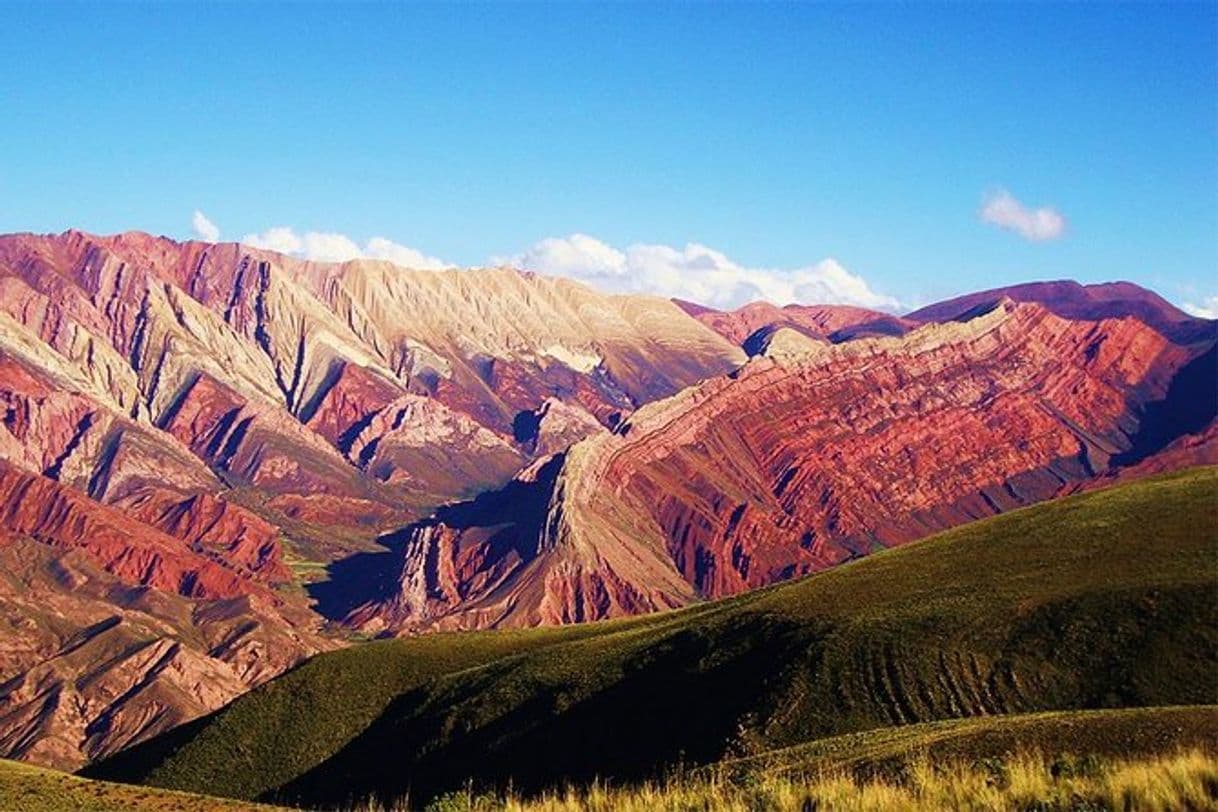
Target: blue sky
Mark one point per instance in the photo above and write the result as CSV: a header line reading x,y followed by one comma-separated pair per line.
x,y
792,150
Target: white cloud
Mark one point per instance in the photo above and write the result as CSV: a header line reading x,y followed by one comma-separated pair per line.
x,y
696,273
403,255
578,256
1208,309
1039,225
204,229
325,246
280,238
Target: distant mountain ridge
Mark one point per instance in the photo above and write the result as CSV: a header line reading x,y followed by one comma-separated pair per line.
x,y
752,323
1072,300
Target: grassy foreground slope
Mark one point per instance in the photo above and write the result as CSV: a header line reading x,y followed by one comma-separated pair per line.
x,y
1169,782
25,788
1104,600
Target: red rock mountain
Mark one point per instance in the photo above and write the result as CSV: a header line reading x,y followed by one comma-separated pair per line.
x,y
806,457
201,445
201,429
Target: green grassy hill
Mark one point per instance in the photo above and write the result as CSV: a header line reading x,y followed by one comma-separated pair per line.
x,y
24,788
1103,600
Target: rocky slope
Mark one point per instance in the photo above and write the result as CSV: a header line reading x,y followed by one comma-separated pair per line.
x,y
92,663
809,456
182,420
751,326
261,363
332,400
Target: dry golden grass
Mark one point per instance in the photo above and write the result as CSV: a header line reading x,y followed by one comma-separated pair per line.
x,y
26,788
1187,780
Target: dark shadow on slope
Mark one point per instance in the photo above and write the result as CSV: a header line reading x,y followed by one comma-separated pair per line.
x,y
682,700
357,579
761,680
526,425
1191,404
131,765
875,328
756,343
519,502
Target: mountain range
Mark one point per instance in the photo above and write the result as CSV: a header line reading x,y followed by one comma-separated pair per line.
x,y
217,461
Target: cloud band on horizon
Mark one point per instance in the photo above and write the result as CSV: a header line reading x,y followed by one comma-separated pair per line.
x,y
696,273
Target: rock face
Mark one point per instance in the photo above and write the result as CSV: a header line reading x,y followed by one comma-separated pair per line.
x,y
93,664
134,595
357,394
804,458
268,368
175,418
191,560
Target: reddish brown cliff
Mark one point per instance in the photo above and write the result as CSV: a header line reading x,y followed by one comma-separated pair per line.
x,y
93,664
810,456
137,553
